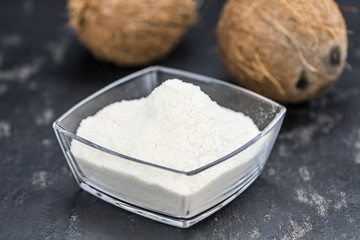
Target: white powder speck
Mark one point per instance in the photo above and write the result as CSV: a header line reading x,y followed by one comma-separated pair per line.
x,y
73,219
45,118
39,179
255,233
176,126
301,196
281,226
271,171
4,129
46,142
304,173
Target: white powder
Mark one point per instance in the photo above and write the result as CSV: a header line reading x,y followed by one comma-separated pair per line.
x,y
176,126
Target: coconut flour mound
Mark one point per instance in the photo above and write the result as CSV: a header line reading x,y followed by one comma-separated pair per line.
x,y
177,126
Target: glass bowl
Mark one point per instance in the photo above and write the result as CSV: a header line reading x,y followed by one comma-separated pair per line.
x,y
221,180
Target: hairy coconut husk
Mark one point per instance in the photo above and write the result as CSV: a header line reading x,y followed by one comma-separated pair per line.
x,y
290,51
130,32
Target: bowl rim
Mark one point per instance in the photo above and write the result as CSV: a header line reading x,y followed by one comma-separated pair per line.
x,y
198,77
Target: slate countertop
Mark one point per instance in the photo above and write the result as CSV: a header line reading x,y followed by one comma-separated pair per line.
x,y
310,187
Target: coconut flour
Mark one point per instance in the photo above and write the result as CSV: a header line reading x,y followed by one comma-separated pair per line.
x,y
177,126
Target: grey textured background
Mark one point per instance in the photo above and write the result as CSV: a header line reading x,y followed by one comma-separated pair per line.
x,y
310,187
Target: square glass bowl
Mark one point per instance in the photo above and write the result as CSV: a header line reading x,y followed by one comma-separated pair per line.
x,y
220,181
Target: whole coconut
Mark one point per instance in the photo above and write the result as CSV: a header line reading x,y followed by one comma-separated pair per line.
x,y
130,32
287,50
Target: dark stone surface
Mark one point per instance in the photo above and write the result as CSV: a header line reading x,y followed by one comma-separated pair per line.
x,y
310,187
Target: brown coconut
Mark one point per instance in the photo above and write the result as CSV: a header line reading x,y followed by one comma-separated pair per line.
x,y
290,51
130,32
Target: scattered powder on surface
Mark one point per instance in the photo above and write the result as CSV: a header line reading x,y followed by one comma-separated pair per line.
x,y
322,123
313,199
71,231
342,202
176,126
22,72
296,231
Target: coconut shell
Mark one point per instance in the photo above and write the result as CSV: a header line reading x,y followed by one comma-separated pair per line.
x,y
130,32
290,51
